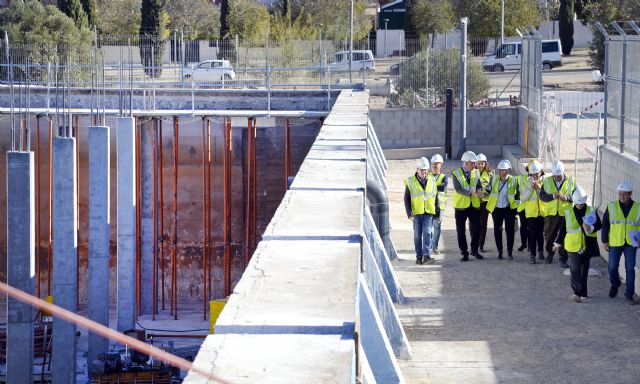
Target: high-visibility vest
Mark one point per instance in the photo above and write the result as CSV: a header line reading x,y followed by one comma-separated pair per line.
x,y
522,182
620,226
532,205
495,191
441,200
574,241
461,201
555,206
423,200
485,179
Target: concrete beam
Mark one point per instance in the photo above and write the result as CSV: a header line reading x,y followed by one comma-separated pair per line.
x,y
99,187
146,218
20,265
342,132
65,262
334,175
126,300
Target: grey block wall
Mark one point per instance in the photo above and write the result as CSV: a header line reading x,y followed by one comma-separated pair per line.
x,y
487,128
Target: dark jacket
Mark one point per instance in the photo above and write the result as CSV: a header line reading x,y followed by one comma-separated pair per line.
x,y
605,219
442,188
592,248
407,194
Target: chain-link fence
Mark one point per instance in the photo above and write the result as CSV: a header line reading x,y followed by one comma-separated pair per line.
x,y
622,86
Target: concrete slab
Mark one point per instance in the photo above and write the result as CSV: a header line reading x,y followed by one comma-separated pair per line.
x,y
317,215
321,154
342,132
346,119
336,175
276,359
278,292
355,108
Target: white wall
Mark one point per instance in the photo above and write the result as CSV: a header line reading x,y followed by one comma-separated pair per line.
x,y
395,42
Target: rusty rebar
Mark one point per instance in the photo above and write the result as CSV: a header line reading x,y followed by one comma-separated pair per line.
x,y
209,204
154,214
287,161
247,233
255,182
204,219
161,203
50,197
227,206
138,226
37,206
174,248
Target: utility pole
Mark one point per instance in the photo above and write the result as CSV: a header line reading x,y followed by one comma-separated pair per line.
x,y
501,22
463,86
350,39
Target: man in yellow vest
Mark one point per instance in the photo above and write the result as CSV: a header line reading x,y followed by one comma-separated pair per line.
x,y
420,203
556,200
466,202
579,238
530,199
620,222
442,182
502,205
482,165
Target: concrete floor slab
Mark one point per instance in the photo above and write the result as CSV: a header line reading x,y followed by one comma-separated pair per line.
x,y
265,301
346,119
277,359
317,215
330,175
342,132
321,154
355,108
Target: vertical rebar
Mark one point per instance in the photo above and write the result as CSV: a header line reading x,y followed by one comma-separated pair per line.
x,y
161,203
247,233
255,184
204,218
227,206
138,212
50,197
154,214
209,203
37,154
174,284
287,161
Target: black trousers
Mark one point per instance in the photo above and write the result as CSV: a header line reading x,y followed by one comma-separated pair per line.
x,y
508,217
473,215
524,229
536,234
579,266
483,219
552,225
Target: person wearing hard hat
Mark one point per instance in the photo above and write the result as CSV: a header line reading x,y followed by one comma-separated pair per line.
x,y
485,180
524,230
579,238
530,198
466,202
556,200
620,223
502,205
442,182
420,203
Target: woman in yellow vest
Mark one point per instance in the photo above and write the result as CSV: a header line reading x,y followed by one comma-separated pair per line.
x,y
420,204
482,165
530,199
502,205
579,238
620,226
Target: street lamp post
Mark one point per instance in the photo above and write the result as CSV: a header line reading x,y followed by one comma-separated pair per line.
x,y
350,40
501,22
385,37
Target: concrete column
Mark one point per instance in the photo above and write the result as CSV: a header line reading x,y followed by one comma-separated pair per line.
x,y
126,301
20,264
99,187
146,217
65,263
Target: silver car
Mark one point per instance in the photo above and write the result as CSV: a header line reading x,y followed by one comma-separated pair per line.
x,y
210,70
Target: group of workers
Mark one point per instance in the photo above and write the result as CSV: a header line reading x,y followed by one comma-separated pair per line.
x,y
552,211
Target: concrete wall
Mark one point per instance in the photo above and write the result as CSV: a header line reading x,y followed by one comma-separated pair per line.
x,y
528,122
487,128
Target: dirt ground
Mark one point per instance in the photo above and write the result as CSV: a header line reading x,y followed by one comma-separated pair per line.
x,y
500,321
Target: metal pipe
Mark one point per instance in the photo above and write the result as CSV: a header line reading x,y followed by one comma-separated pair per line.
x,y
38,206
161,210
287,162
247,232
174,248
255,183
204,219
154,214
50,197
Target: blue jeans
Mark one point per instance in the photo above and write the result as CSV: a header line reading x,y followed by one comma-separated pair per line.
x,y
422,235
629,266
437,222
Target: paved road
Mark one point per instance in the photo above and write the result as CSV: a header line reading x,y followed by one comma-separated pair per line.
x,y
495,321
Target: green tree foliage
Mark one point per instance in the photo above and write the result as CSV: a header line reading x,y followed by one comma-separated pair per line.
x,y
425,77
89,7
224,19
433,16
74,9
565,25
334,17
119,17
249,20
484,16
153,33
199,19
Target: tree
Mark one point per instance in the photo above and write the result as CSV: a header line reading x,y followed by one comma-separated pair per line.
x,y
224,19
73,9
89,7
199,19
334,17
433,16
249,20
153,33
119,17
565,25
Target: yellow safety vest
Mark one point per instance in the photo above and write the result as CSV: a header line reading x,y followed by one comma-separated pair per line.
x,y
532,206
511,193
575,241
461,201
422,200
555,206
442,196
522,181
620,226
485,180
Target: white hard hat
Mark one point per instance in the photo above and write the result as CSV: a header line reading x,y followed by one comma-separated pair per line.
x,y
504,164
423,163
436,158
468,156
624,186
535,167
557,168
481,157
579,196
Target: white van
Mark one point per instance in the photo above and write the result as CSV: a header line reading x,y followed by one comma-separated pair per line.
x,y
360,59
509,56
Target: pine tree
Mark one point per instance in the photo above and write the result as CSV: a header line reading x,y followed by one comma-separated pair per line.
x,y
73,9
224,23
152,34
565,25
89,7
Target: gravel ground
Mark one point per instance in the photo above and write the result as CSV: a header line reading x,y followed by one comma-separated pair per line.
x,y
499,321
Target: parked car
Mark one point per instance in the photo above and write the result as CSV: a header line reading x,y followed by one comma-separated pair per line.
x,y
210,70
509,56
397,68
360,59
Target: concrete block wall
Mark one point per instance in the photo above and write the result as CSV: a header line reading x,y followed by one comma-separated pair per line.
x,y
487,128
